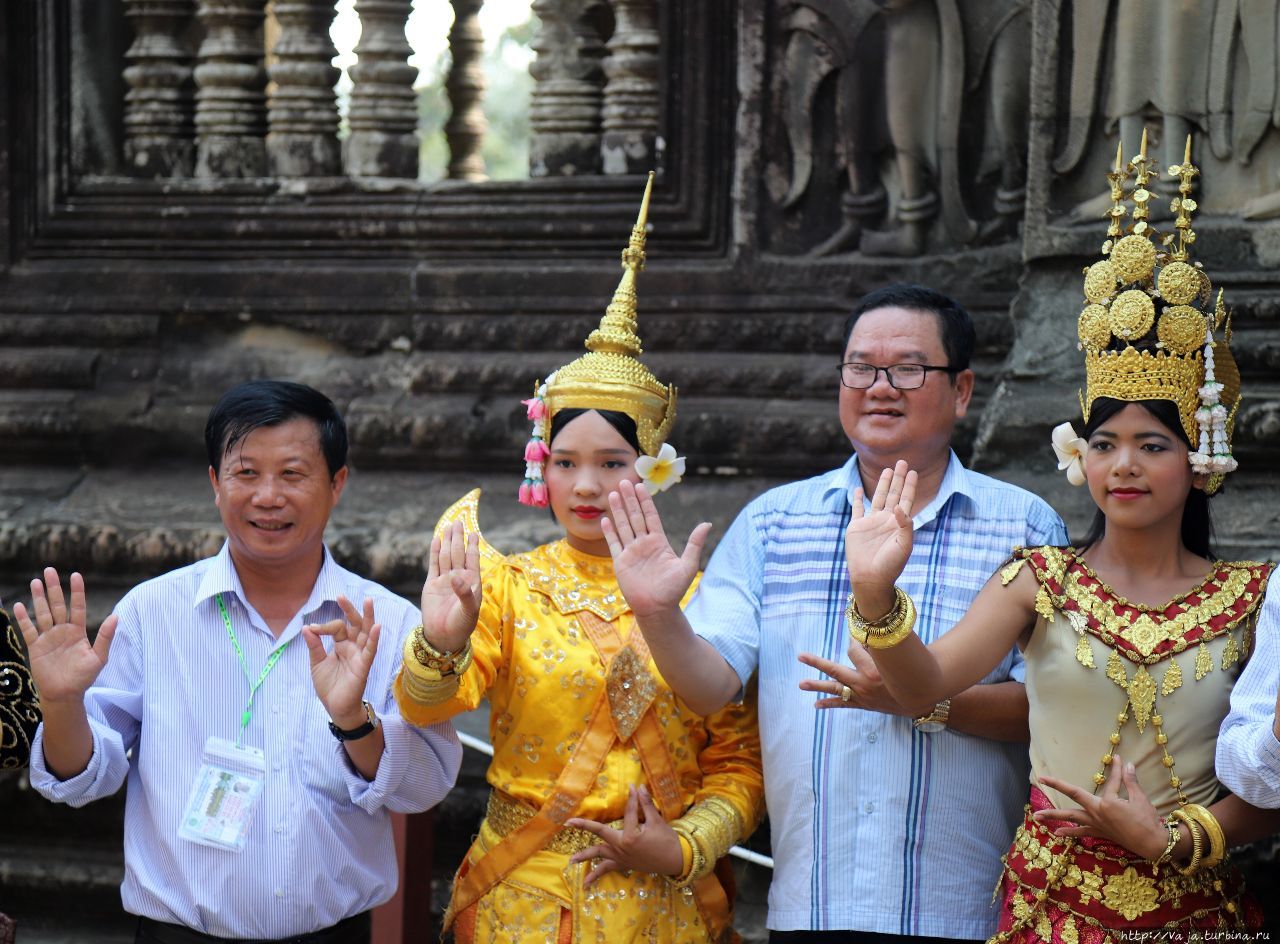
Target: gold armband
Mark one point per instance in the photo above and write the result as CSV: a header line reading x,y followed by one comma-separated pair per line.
x,y
888,630
434,663
1197,846
1213,833
711,827
427,692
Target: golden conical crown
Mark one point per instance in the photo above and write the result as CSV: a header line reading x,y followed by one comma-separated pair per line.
x,y
1150,316
609,376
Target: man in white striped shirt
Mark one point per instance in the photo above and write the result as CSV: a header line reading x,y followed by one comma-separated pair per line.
x,y
262,771
1248,759
885,828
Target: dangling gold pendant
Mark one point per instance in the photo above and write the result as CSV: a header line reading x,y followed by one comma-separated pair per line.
x,y
1230,653
1115,670
1204,662
1172,680
1142,695
1084,652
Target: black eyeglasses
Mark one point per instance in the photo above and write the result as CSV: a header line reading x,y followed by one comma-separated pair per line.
x,y
900,376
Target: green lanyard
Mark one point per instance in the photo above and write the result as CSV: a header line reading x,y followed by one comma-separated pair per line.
x,y
262,676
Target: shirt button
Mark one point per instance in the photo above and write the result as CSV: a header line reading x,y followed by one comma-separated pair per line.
x,y
275,709
279,828
870,807
278,767
873,737
279,892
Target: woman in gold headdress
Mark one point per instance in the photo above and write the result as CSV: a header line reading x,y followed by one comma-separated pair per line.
x,y
1133,639
612,802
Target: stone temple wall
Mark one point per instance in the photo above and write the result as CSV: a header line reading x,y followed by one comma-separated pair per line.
x,y
182,216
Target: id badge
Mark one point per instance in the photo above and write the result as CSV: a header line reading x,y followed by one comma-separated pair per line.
x,y
224,796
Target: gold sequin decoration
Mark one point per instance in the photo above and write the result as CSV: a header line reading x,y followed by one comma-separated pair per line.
x,y
1181,329
1010,570
1134,258
631,690
1230,653
1172,680
1204,662
1132,314
1044,604
1179,283
1095,327
1100,281
1142,695
1115,670
1130,894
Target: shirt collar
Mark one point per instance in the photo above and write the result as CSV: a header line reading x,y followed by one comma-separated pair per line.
x,y
955,481
221,577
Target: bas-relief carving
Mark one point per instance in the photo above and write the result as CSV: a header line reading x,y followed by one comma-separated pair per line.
x,y
1174,67
930,99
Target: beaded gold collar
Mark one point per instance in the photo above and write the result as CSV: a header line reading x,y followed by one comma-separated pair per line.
x,y
1142,634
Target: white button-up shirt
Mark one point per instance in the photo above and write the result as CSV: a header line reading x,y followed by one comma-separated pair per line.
x,y
320,845
1248,760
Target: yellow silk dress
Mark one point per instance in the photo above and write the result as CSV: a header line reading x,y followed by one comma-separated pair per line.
x,y
544,677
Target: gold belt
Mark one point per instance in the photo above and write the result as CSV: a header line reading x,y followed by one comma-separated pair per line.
x,y
505,815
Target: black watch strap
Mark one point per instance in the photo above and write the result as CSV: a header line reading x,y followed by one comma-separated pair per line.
x,y
359,731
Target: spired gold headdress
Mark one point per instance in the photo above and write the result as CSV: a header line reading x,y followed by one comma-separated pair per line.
x,y
1147,331
609,377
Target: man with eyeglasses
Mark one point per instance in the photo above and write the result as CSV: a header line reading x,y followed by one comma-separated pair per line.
x,y
885,827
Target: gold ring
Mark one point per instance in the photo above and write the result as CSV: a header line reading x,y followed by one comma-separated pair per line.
x,y
846,694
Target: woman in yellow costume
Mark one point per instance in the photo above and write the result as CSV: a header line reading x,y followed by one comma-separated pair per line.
x,y
612,802
1132,640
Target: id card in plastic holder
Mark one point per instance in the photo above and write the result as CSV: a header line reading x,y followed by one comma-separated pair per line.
x,y
224,796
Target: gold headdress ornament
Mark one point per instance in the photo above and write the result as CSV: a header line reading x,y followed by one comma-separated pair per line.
x,y
1147,330
609,377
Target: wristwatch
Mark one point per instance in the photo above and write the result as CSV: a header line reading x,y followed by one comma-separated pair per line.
x,y
359,731
935,720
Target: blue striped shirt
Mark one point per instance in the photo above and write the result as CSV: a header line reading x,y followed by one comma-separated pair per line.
x,y
875,826
320,845
1248,761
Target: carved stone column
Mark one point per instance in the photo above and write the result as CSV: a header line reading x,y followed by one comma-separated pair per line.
x,y
564,114
384,107
302,112
466,126
231,91
159,133
631,94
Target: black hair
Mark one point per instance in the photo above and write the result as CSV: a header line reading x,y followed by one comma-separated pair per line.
x,y
248,406
954,324
624,424
1197,525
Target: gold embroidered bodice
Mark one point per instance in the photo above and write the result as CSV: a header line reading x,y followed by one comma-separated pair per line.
x,y
19,704
1152,684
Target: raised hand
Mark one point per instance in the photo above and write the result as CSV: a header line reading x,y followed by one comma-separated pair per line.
x,y
646,843
452,592
63,662
856,686
340,675
652,577
878,542
1130,821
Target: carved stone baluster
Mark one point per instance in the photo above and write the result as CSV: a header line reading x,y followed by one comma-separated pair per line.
x,y
302,111
159,134
466,125
631,94
384,107
231,91
564,115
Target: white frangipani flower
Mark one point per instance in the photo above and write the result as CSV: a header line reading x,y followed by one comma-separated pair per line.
x,y
1069,449
661,472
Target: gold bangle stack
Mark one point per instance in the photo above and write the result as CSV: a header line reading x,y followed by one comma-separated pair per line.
x,y
887,631
430,677
1197,841
427,692
436,662
711,827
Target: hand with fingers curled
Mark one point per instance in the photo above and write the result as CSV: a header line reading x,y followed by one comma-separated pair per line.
x,y
652,577
452,593
340,675
646,842
856,686
1127,819
64,664
878,541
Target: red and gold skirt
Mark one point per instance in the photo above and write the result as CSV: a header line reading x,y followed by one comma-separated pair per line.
x,y
1082,891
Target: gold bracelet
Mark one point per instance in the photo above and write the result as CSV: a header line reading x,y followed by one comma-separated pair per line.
x,y
1196,848
438,663
890,629
427,692
1213,831
711,827
698,867
1175,834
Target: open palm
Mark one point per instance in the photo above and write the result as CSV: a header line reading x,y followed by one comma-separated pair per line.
x,y
64,664
878,542
452,592
650,574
